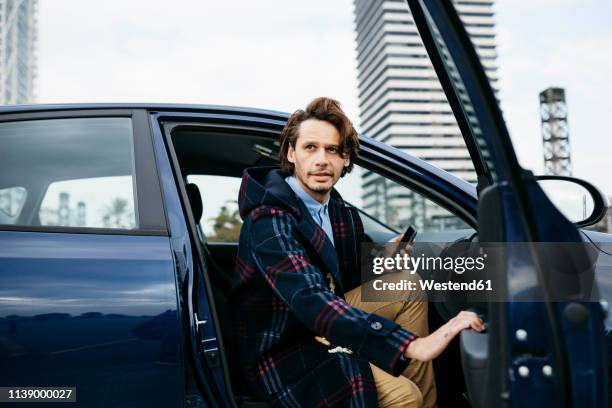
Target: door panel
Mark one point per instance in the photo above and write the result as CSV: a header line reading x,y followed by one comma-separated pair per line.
x,y
205,353
543,365
97,312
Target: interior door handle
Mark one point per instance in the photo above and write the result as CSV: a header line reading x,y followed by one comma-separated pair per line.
x,y
474,358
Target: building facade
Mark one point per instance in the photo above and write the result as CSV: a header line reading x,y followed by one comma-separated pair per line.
x,y
17,50
402,102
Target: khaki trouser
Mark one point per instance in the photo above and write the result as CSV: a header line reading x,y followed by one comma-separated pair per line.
x,y
416,386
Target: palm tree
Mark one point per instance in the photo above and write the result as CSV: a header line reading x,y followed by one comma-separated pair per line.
x,y
118,214
226,225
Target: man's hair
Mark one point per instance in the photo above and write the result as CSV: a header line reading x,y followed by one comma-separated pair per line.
x,y
328,110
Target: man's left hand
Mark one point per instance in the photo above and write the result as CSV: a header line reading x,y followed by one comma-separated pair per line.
x,y
390,248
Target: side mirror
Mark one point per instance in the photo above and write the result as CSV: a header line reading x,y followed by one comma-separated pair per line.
x,y
580,201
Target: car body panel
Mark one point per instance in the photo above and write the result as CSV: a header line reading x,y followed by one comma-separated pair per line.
x,y
96,312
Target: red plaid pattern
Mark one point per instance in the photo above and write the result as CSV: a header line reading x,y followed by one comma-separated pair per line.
x,y
281,300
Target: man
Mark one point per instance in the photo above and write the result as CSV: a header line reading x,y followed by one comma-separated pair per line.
x,y
305,338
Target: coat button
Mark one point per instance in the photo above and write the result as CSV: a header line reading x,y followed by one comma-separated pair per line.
x,y
376,325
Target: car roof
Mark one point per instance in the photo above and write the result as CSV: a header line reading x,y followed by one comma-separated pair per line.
x,y
139,105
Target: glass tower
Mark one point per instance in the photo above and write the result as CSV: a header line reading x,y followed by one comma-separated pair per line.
x,y
401,101
17,50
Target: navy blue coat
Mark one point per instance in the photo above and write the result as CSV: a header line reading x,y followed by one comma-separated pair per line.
x,y
281,299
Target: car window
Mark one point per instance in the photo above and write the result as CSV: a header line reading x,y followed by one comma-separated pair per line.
x,y
220,220
75,172
386,207
394,205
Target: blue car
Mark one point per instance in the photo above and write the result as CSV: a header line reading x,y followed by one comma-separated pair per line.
x,y
112,285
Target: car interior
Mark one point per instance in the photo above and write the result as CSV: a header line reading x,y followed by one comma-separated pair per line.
x,y
205,151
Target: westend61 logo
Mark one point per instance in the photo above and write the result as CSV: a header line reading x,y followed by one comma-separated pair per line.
x,y
414,264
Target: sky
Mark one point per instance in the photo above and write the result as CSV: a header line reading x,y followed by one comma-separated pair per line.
x,y
562,43
280,54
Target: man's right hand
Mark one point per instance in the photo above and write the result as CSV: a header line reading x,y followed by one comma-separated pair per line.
x,y
430,347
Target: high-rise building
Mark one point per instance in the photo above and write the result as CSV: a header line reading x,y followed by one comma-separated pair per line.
x,y
17,50
401,100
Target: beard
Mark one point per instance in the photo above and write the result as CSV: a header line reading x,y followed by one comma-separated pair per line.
x,y
320,187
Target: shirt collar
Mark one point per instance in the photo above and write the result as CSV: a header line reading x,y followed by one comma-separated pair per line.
x,y
311,203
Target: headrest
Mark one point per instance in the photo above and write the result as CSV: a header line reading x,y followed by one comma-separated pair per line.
x,y
195,200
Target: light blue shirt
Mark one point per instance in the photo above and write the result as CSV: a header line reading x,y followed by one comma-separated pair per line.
x,y
318,211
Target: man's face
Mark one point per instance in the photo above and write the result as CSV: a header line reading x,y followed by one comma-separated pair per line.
x,y
317,159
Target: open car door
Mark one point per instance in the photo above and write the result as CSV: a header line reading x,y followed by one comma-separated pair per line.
x,y
549,352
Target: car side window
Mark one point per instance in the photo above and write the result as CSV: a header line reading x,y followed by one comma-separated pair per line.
x,y
220,220
386,207
395,205
76,172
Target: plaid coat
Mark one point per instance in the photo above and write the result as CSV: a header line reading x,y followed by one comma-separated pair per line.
x,y
281,299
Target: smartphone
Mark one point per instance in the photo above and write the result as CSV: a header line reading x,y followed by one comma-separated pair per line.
x,y
408,237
